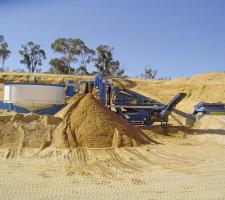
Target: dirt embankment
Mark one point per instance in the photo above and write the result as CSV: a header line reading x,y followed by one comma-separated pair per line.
x,y
209,87
40,77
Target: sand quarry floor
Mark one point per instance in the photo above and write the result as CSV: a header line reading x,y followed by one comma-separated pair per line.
x,y
176,169
186,163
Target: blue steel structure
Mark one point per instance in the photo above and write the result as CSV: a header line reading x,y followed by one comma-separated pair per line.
x,y
210,108
135,107
99,83
139,109
70,88
45,111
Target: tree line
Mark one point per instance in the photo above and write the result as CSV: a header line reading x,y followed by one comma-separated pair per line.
x,y
70,51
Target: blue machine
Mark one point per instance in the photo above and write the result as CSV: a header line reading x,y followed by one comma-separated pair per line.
x,y
210,108
98,80
70,88
102,92
101,85
132,106
139,109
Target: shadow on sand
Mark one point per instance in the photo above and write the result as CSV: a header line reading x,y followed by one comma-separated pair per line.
x,y
175,130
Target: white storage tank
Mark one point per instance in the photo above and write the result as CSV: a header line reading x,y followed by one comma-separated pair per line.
x,y
34,96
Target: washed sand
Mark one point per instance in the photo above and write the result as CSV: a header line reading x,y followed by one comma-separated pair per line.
x,y
87,123
26,131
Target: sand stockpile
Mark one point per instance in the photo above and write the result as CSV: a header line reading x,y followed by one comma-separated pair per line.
x,y
89,124
26,131
72,100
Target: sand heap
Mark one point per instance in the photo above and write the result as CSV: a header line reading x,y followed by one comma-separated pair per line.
x,y
72,100
26,131
90,124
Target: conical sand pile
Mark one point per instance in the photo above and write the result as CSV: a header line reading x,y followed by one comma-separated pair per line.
x,y
89,124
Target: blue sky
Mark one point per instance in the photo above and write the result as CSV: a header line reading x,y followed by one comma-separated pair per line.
x,y
177,37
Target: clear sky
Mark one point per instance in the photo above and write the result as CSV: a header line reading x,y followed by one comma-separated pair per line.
x,y
177,37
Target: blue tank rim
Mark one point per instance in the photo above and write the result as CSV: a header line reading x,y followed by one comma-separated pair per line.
x,y
33,83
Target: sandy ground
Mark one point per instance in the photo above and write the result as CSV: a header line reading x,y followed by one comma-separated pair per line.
x,y
176,169
186,164
213,130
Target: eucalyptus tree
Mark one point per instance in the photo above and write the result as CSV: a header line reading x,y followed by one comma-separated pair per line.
x,y
86,56
4,51
72,51
59,66
32,56
105,62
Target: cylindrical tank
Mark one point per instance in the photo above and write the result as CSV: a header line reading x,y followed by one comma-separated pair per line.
x,y
34,96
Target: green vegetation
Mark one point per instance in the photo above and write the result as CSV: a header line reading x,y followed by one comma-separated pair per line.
x,y
105,63
4,52
32,56
71,51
